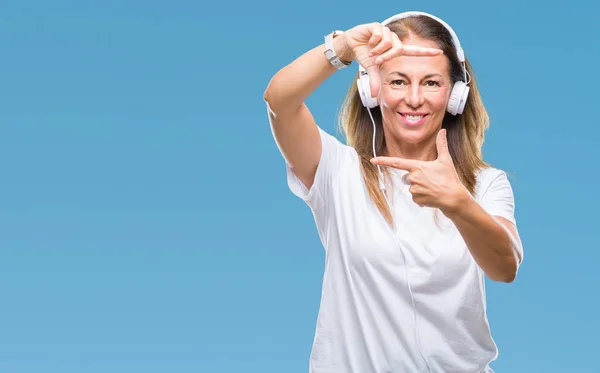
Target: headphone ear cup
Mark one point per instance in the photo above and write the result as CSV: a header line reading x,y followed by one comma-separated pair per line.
x,y
364,90
463,100
458,98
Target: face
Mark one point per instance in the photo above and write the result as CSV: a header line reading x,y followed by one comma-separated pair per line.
x,y
414,94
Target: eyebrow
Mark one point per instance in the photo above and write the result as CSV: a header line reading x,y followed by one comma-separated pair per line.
x,y
425,77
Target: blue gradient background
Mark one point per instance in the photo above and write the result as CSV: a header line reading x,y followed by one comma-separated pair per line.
x,y
145,221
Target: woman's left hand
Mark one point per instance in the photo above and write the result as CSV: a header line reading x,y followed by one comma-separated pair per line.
x,y
433,183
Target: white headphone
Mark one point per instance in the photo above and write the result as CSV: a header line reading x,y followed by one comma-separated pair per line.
x,y
460,90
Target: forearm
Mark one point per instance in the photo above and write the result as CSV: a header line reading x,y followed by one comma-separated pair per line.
x,y
291,85
491,244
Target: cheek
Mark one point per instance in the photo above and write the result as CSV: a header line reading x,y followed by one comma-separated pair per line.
x,y
438,100
389,98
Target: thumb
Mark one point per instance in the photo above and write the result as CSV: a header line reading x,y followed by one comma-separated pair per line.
x,y
374,80
442,146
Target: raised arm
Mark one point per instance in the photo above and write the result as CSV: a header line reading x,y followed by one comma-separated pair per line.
x,y
292,123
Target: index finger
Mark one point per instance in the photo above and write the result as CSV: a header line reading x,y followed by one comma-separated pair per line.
x,y
399,163
415,50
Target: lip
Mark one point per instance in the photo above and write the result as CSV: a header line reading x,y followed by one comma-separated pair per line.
x,y
413,124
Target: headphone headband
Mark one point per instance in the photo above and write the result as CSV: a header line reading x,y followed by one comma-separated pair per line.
x,y
459,51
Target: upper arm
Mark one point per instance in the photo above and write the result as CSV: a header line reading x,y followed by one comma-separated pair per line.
x,y
299,141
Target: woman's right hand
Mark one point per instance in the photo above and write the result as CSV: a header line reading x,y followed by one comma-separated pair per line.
x,y
372,44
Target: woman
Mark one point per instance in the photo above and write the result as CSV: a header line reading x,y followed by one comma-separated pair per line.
x,y
409,214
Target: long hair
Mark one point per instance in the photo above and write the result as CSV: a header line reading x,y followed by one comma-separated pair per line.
x,y
465,132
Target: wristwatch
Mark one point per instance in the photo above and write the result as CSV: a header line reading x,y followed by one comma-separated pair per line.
x,y
330,52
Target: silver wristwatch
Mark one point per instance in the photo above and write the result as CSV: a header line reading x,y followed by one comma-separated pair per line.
x,y
330,52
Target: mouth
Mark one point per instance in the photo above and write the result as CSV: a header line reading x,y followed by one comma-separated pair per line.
x,y
413,118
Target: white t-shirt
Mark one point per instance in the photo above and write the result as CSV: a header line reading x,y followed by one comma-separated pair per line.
x,y
366,322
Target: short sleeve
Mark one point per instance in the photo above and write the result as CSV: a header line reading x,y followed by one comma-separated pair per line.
x,y
329,163
497,198
496,194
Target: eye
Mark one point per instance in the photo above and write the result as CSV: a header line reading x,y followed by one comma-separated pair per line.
x,y
398,82
432,83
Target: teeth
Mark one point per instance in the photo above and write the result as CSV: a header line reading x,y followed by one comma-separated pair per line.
x,y
413,117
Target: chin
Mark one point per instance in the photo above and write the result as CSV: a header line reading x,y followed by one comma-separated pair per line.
x,y
412,135
412,138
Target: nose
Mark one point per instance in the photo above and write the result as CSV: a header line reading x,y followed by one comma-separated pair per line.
x,y
414,96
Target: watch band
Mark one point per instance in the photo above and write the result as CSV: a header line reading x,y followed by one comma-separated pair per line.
x,y
330,52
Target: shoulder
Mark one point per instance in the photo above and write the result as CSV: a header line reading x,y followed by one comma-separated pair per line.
x,y
335,161
336,148
485,173
494,193
331,138
489,174
491,178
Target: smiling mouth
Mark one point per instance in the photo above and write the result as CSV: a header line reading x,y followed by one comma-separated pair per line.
x,y
413,119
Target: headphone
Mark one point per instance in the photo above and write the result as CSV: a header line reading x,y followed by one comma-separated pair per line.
x,y
460,89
